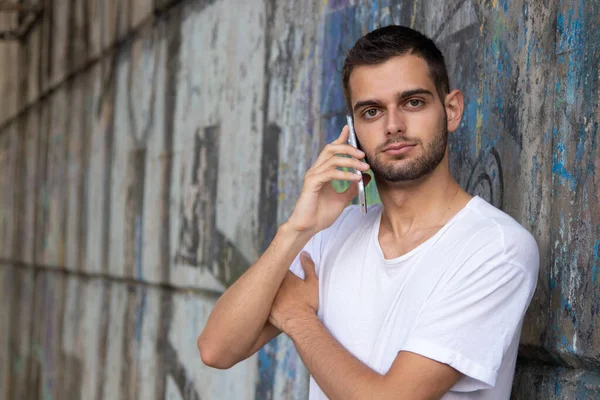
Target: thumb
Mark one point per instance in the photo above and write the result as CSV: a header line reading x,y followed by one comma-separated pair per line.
x,y
308,266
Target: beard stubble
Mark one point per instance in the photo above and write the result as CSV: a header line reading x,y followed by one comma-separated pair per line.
x,y
410,170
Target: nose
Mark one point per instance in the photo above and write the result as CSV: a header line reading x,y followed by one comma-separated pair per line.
x,y
395,123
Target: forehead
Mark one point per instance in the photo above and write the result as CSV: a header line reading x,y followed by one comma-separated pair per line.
x,y
395,75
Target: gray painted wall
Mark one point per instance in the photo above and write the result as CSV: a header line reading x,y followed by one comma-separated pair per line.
x,y
149,150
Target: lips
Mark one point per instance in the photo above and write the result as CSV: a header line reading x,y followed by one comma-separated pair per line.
x,y
398,148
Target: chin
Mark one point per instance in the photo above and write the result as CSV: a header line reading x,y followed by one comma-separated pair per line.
x,y
391,162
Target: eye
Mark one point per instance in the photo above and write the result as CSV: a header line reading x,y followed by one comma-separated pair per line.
x,y
370,113
415,103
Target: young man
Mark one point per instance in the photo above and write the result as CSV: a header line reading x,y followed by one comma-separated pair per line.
x,y
423,297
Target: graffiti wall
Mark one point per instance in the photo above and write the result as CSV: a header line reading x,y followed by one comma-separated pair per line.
x,y
150,150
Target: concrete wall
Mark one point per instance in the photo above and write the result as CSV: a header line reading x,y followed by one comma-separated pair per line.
x,y
149,150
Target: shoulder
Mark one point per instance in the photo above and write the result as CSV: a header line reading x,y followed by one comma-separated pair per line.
x,y
498,236
350,221
352,217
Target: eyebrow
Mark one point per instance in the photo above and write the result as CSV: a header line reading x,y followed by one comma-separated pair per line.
x,y
400,97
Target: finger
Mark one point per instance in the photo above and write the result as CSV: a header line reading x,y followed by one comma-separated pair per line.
x,y
341,162
345,149
313,183
308,266
333,149
338,148
343,138
316,181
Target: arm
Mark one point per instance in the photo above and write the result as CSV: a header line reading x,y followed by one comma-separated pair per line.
x,y
238,322
337,372
240,315
342,376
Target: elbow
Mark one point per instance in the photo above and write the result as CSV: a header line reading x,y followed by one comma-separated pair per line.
x,y
210,356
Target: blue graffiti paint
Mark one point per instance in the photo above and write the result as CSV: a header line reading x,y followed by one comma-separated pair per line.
x,y
570,47
575,90
570,28
343,27
266,370
566,345
336,4
558,167
289,362
504,5
560,23
374,7
342,31
568,307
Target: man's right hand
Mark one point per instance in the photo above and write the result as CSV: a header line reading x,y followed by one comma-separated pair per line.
x,y
319,205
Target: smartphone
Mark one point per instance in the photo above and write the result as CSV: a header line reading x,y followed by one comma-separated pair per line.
x,y
362,198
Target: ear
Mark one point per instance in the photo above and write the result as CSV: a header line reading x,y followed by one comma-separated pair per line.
x,y
455,106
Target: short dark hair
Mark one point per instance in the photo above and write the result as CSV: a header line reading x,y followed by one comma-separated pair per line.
x,y
380,45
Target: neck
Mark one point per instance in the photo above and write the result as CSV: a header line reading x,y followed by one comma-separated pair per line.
x,y
417,205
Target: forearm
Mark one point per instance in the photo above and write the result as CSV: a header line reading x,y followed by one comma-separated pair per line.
x,y
241,312
337,372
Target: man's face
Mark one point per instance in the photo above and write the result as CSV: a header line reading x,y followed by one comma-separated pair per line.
x,y
400,121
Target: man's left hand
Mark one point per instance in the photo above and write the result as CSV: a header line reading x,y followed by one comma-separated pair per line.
x,y
296,298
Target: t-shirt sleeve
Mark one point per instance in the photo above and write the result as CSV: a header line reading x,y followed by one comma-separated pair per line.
x,y
471,323
316,245
313,247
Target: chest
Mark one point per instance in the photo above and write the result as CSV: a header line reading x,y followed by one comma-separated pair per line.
x,y
371,305
393,248
358,296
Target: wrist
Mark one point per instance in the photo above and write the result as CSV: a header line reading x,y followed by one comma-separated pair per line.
x,y
289,231
299,321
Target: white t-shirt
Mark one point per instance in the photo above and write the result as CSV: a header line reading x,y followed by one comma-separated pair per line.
x,y
459,298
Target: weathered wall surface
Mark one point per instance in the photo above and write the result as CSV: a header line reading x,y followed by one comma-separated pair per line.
x,y
149,150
